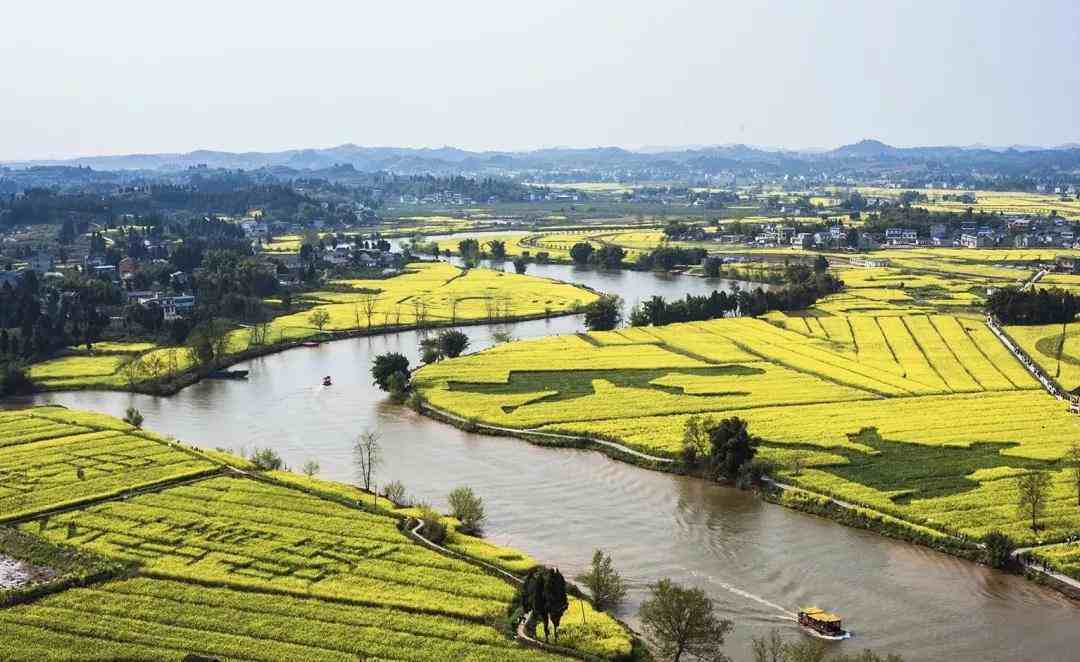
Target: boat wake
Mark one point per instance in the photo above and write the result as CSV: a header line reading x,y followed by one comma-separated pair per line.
x,y
787,614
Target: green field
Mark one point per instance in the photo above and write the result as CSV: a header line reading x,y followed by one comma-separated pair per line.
x,y
235,566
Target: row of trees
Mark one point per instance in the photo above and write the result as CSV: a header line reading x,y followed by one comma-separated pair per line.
x,y
804,286
1012,305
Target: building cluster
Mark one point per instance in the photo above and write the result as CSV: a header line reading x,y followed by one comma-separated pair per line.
x,y
1016,232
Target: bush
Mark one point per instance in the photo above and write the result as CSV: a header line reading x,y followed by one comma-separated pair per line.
x,y
133,417
266,459
753,471
999,549
432,527
468,509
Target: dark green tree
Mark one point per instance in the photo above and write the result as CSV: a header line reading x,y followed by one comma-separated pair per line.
x,y
581,252
604,314
386,365
451,343
731,446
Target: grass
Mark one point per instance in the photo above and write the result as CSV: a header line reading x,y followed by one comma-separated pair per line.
x,y
292,568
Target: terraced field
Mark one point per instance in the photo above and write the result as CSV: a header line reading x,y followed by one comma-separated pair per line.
x,y
51,458
232,566
926,417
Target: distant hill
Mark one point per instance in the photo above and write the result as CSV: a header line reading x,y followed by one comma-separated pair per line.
x,y
867,158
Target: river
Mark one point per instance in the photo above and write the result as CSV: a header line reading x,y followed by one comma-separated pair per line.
x,y
759,562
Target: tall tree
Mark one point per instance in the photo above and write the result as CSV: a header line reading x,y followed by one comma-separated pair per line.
x,y
1033,491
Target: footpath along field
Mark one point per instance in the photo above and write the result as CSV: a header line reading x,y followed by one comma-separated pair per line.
x,y
893,395
257,566
433,293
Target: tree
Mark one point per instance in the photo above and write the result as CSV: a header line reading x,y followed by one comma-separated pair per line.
x,y
319,318
543,597
468,509
1072,457
386,365
604,582
696,441
711,266
394,491
311,467
682,621
266,459
452,343
498,249
133,417
731,446
604,314
581,252
520,265
1033,491
398,386
208,342
768,649
367,454
367,302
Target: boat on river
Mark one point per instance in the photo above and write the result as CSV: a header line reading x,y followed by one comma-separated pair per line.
x,y
822,624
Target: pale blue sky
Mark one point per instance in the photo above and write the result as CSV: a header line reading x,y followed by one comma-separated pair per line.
x,y
107,77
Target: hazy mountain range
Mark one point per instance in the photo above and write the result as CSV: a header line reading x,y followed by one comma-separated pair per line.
x,y
454,159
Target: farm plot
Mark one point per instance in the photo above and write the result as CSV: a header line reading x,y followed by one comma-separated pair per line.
x,y
718,366
46,464
244,534
1055,347
149,618
924,417
240,568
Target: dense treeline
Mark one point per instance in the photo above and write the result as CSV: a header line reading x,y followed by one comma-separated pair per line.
x,y
1042,306
804,286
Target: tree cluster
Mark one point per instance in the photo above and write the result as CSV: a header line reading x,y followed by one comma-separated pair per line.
x,y
1035,306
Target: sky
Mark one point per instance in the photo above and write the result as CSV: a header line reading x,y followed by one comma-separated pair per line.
x,y
115,77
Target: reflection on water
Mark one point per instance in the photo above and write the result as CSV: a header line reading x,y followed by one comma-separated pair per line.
x,y
759,562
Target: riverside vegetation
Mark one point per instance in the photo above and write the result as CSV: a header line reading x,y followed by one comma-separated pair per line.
x,y
424,295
